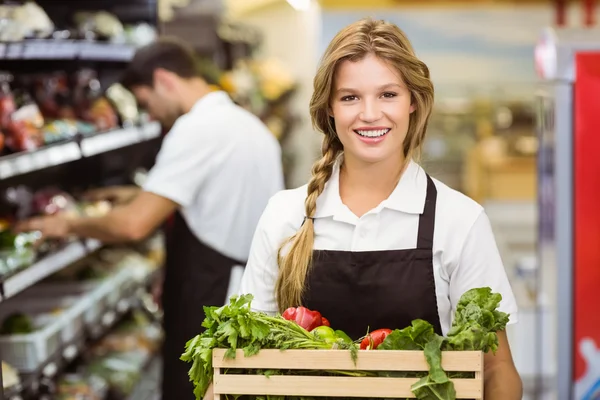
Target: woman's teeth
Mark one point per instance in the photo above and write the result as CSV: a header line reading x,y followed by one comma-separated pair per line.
x,y
371,133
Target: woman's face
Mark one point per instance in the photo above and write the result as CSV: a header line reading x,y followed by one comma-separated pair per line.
x,y
371,107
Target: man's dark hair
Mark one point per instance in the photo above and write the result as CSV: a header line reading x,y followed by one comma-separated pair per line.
x,y
168,53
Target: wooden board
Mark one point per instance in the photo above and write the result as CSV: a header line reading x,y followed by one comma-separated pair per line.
x,y
339,386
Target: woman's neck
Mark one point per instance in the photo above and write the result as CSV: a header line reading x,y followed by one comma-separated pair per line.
x,y
363,186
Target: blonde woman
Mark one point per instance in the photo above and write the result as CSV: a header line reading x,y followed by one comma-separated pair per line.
x,y
372,240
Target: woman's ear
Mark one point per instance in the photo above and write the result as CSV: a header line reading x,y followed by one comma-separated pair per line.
x,y
412,108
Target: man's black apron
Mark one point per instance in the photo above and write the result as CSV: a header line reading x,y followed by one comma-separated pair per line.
x,y
370,290
195,276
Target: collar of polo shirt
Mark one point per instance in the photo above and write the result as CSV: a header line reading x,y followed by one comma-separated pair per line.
x,y
408,196
211,99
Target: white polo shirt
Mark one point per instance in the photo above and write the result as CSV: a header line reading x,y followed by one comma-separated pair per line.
x,y
465,254
221,165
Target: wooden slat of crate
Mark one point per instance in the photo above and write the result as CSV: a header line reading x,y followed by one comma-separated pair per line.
x,y
379,360
340,386
333,386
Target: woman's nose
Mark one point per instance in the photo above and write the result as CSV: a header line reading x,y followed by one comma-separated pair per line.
x,y
370,111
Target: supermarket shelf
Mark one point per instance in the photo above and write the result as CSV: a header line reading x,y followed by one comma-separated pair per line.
x,y
49,49
22,163
103,142
108,318
46,267
148,388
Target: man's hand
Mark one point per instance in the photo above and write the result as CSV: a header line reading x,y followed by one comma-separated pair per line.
x,y
53,226
114,194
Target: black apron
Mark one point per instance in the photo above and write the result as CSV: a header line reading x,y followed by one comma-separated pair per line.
x,y
370,290
195,276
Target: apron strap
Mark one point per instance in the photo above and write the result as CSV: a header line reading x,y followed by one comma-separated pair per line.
x,y
427,219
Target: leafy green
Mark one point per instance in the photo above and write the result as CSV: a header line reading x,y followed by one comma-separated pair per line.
x,y
234,326
475,326
413,337
476,321
436,385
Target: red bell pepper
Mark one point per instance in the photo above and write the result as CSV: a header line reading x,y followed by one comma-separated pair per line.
x,y
325,321
304,317
289,314
374,339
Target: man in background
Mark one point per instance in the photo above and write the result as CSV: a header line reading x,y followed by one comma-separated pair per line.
x,y
216,170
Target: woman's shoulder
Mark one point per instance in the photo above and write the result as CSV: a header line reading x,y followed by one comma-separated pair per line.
x,y
284,211
455,207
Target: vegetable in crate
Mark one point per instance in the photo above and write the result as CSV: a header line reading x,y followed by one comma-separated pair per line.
x,y
374,339
476,321
304,317
235,326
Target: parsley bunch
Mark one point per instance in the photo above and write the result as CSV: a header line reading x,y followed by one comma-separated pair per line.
x,y
235,326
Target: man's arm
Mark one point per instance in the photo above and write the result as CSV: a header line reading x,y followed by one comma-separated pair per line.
x,y
131,222
502,381
115,194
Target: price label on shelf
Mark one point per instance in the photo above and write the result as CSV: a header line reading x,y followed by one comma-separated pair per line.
x,y
6,169
49,49
23,164
150,130
14,51
61,154
106,51
110,141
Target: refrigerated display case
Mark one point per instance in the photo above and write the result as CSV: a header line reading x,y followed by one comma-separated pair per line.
x,y
568,279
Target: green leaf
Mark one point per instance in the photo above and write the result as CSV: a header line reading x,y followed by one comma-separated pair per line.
x,y
413,337
426,389
433,355
230,353
436,385
251,349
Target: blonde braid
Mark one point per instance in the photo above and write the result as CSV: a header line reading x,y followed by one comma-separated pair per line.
x,y
294,267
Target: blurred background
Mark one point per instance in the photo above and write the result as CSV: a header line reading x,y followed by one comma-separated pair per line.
x,y
515,127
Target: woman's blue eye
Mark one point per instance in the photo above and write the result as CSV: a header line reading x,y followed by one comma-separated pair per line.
x,y
348,98
389,95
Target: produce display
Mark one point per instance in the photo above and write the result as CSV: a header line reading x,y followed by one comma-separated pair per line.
x,y
235,326
119,359
16,250
29,21
41,109
19,251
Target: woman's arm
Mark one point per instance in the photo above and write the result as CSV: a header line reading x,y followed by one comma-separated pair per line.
x,y
502,381
480,265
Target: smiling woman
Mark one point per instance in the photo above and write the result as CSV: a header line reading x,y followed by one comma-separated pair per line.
x,y
372,241
371,105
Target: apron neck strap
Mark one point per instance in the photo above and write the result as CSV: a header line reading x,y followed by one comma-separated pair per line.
x,y
427,219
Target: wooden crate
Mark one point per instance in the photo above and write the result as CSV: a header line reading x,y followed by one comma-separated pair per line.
x,y
340,386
